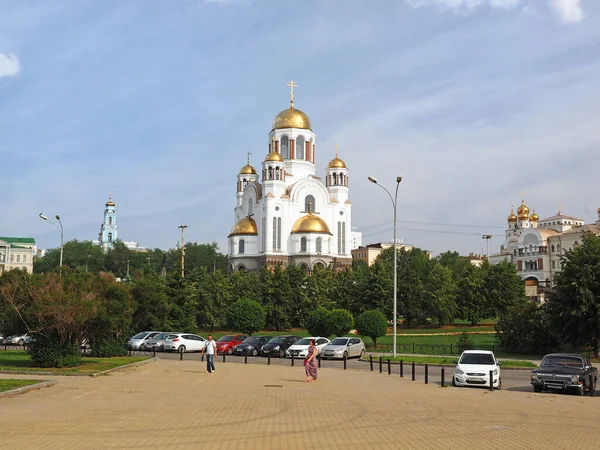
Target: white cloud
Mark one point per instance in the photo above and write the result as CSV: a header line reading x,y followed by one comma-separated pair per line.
x,y
464,4
569,11
9,65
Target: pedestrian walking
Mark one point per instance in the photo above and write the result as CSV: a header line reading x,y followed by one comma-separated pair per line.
x,y
310,363
211,350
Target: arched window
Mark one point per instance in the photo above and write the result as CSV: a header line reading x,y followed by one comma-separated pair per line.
x,y
279,234
110,220
309,203
515,252
250,207
270,177
242,247
300,147
335,179
303,245
285,147
552,247
109,237
319,245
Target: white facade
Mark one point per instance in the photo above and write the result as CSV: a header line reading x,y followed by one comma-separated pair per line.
x,y
287,214
535,246
17,253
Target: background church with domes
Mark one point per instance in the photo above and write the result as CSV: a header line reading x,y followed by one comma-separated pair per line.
x,y
287,214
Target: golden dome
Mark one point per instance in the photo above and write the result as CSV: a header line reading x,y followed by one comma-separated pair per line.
x,y
523,211
247,170
534,217
512,217
247,225
110,202
336,163
274,156
291,118
310,224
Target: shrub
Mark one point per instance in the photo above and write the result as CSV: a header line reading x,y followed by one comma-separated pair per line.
x,y
108,348
340,322
372,323
317,322
50,352
465,342
246,316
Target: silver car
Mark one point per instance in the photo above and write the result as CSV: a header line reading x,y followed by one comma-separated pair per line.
x,y
138,342
157,342
17,339
343,346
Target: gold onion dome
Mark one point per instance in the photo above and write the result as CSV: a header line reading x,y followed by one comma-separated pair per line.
x,y
247,170
336,163
291,118
310,224
534,217
523,211
110,202
512,217
274,156
245,226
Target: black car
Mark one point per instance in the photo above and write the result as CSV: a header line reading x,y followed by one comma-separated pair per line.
x,y
251,346
278,345
565,372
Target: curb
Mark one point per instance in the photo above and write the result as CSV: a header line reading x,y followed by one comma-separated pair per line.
x,y
25,389
66,374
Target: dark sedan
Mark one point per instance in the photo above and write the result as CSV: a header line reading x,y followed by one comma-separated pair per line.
x,y
278,345
565,372
251,346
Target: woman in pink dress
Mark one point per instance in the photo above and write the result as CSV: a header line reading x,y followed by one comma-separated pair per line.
x,y
310,363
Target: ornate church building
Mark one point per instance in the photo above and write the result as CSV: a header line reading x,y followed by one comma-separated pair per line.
x,y
287,214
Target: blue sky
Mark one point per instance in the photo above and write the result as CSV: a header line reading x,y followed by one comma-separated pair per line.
x,y
158,101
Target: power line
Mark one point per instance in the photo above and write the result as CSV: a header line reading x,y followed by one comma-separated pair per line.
x,y
435,224
431,231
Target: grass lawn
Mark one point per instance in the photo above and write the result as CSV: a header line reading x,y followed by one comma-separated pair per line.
x,y
20,361
448,329
478,339
507,364
7,385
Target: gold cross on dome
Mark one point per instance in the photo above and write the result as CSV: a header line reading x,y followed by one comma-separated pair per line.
x,y
292,85
337,147
248,156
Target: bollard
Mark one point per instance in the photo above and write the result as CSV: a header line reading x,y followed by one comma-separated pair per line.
x,y
292,360
413,371
389,367
319,358
154,351
426,374
223,356
592,385
345,359
180,356
380,364
246,358
269,360
371,362
129,350
401,368
443,373
491,380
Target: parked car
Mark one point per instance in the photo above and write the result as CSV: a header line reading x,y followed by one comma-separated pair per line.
x,y
300,348
17,339
157,342
1,338
184,342
473,369
251,346
227,343
138,342
278,345
565,372
340,346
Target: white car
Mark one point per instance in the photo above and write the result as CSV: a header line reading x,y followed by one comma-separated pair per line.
x,y
184,342
138,342
17,339
300,348
343,346
473,369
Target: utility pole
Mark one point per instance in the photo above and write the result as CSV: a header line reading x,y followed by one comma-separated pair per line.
x,y
487,238
128,270
183,227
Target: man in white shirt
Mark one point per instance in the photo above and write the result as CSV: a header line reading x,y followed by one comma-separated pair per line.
x,y
211,349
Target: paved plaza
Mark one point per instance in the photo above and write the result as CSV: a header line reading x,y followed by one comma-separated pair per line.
x,y
170,404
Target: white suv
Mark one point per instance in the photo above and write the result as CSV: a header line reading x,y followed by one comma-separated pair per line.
x,y
473,369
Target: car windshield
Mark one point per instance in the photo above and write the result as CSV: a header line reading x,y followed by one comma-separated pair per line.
x,y
277,340
564,361
305,341
485,359
161,336
225,339
140,336
339,341
252,340
172,336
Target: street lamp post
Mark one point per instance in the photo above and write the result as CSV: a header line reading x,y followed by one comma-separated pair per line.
x,y
394,204
487,238
183,227
60,228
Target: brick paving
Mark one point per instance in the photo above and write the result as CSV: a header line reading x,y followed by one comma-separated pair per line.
x,y
176,405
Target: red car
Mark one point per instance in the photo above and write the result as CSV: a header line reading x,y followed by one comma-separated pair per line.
x,y
227,343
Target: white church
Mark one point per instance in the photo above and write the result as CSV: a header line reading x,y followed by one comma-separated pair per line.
x,y
287,214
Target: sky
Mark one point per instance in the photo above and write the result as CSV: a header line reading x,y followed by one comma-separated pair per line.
x,y
473,102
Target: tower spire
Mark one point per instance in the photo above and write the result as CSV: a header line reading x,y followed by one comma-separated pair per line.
x,y
248,157
336,150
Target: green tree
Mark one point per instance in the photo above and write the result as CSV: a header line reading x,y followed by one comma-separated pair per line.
x,y
372,323
152,304
471,297
340,322
215,294
246,316
276,297
503,287
317,322
574,307
81,256
183,294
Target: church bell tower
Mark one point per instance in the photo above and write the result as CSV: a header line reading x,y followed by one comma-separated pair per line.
x,y
108,230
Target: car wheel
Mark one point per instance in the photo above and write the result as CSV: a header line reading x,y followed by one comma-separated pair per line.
x,y
281,353
499,385
21,341
230,351
345,356
582,389
254,352
537,389
181,349
453,381
142,347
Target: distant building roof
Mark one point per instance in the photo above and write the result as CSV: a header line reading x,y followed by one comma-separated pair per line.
x,y
16,240
560,216
592,228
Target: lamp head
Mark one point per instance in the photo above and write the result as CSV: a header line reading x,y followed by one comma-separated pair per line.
x,y
42,216
372,180
398,179
57,216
